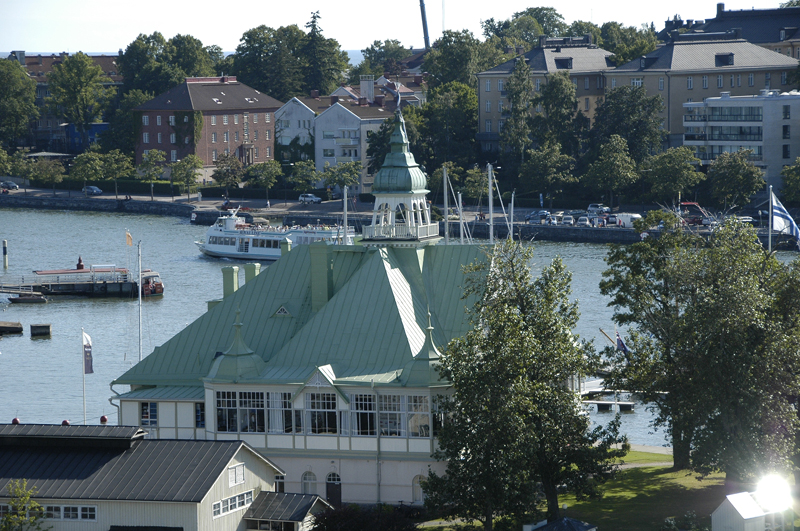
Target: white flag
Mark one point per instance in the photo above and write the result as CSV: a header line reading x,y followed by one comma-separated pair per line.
x,y
782,222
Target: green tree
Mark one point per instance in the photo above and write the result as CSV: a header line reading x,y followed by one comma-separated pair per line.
x,y
560,121
378,144
516,133
791,182
270,60
790,3
627,43
733,177
77,92
264,173
304,176
475,180
46,171
458,56
449,125
185,171
455,175
189,54
229,171
17,102
152,165
547,170
124,123
630,113
673,172
325,61
579,28
341,175
117,165
512,422
384,56
88,167
613,170
549,19
25,513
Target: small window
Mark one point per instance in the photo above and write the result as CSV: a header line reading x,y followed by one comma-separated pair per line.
x,y
416,490
236,119
488,106
488,85
214,120
327,135
173,155
705,82
280,483
637,82
145,138
149,413
225,136
613,82
334,478
199,415
328,153
236,136
158,120
70,513
269,151
236,475
661,83
255,152
266,134
224,119
500,85
787,112
186,119
172,138
267,117
88,513
538,85
186,140
145,120
51,511
689,82
158,138
783,78
786,151
738,80
488,126
255,117
309,483
213,140
751,80
720,81
733,81
586,104
586,83
172,120
214,155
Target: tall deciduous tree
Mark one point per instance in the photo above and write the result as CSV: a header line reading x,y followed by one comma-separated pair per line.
x,y
229,171
77,92
46,171
560,121
733,177
88,167
613,170
450,125
17,102
123,123
547,170
185,171
673,172
152,165
304,175
270,60
791,182
458,56
516,133
511,420
630,113
341,175
264,173
549,19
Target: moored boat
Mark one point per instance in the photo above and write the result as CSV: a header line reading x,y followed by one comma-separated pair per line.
x,y
28,298
233,237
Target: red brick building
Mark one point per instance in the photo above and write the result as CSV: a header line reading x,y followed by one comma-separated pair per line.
x,y
209,116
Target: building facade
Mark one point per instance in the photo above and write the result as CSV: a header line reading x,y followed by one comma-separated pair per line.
x,y
585,62
760,123
693,67
329,369
208,117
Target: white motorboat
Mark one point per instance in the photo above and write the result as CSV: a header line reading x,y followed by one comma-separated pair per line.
x,y
233,237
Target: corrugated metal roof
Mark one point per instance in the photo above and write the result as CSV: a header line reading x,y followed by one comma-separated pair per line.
x,y
281,507
543,60
150,470
177,393
372,326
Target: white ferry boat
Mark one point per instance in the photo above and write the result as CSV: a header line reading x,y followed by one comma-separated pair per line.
x,y
232,237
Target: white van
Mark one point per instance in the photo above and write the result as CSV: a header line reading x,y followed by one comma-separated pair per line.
x,y
626,220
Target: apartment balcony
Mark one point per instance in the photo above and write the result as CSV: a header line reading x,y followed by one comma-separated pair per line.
x,y
346,159
694,117
694,137
713,156
735,138
400,231
689,118
347,141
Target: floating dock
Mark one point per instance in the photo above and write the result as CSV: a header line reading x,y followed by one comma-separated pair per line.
x,y
95,281
7,327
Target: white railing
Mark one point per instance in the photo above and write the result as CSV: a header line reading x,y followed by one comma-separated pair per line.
x,y
400,231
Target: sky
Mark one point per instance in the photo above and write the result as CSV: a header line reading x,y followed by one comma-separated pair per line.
x,y
92,26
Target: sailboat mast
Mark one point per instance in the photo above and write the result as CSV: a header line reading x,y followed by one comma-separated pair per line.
x,y
139,289
446,217
491,207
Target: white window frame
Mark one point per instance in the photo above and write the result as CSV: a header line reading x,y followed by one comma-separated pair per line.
x,y
231,504
689,83
158,138
720,81
149,417
267,117
172,120
145,120
488,85
255,117
235,119
751,79
173,155
613,82
488,126
488,105
158,120
224,119
309,482
636,81
213,119
705,82
586,83
145,138
661,83
236,475
173,138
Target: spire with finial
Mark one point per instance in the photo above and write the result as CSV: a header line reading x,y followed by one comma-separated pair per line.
x,y
401,216
422,371
238,362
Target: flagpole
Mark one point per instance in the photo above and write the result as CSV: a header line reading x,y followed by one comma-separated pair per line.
x,y
83,371
771,207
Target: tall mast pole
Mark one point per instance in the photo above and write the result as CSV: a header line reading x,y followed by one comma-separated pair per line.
x,y
139,289
491,206
446,209
771,209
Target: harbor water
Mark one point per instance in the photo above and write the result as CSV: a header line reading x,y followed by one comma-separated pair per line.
x,y
41,379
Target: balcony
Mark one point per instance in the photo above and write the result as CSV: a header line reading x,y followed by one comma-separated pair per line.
x,y
347,141
735,118
400,231
695,117
694,137
737,138
346,159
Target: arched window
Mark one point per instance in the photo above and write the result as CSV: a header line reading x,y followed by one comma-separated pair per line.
x,y
333,477
417,496
309,483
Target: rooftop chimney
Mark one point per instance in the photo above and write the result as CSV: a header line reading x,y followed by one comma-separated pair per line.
x,y
367,87
321,275
230,280
315,93
720,9
334,100
380,99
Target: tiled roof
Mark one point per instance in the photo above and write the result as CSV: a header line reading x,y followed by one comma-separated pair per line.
x,y
371,111
282,507
696,55
38,66
554,58
372,326
148,470
211,94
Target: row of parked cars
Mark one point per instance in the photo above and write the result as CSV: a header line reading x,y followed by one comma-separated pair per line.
x,y
596,215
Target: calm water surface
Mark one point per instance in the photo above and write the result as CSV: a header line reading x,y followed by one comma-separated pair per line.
x,y
41,380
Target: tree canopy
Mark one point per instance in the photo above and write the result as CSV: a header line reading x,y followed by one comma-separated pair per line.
x,y
549,19
229,171
673,172
24,512
560,121
613,170
17,102
185,171
458,56
733,177
633,115
324,60
513,428
515,136
77,92
304,175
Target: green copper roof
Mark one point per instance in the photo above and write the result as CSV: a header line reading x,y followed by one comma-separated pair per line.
x,y
400,172
237,363
374,324
422,371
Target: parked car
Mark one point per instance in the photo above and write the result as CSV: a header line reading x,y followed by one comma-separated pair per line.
x,y
611,219
598,208
567,220
309,198
8,185
583,221
92,190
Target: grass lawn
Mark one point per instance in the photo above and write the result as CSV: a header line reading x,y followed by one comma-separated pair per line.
x,y
639,458
641,498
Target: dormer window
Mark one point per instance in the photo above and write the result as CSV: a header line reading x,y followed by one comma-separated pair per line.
x,y
641,63
723,59
783,34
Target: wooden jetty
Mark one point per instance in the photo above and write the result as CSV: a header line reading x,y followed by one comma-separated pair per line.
x,y
8,327
38,330
95,281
